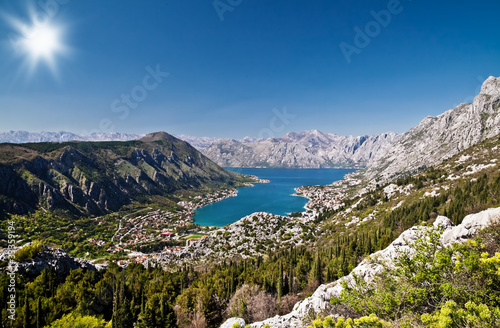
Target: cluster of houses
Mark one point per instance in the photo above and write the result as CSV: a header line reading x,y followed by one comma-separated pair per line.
x,y
151,227
200,201
158,226
321,197
96,242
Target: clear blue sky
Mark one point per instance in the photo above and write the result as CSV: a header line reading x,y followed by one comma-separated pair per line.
x,y
226,76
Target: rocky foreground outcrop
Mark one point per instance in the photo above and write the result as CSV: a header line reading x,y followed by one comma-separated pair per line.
x,y
319,302
54,259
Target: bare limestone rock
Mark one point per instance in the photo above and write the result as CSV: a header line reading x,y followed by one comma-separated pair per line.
x,y
307,149
53,258
470,225
230,322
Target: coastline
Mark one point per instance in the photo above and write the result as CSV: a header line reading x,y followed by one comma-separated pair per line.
x,y
218,196
321,197
327,196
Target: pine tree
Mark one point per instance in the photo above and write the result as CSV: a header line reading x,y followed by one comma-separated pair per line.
x,y
147,319
318,269
142,301
290,280
114,317
233,283
39,323
280,281
27,314
369,246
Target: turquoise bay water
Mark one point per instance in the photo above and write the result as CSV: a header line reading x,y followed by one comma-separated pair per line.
x,y
274,197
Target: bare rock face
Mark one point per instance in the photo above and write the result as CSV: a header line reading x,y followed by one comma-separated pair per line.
x,y
438,138
319,302
308,149
199,143
387,156
470,225
230,322
54,259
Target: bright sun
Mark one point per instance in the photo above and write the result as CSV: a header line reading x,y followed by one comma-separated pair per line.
x,y
42,43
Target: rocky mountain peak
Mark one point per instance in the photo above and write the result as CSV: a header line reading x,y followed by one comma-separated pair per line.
x,y
491,86
435,139
248,139
158,136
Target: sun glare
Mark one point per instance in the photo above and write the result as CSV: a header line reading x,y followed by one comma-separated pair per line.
x,y
42,43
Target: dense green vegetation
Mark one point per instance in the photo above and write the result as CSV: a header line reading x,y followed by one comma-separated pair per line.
x,y
371,321
457,286
200,295
28,252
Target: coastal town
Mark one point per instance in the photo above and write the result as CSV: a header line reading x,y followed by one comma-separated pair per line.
x,y
321,197
175,230
207,243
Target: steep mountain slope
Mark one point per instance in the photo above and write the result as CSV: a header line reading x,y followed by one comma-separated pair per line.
x,y
99,177
438,138
308,149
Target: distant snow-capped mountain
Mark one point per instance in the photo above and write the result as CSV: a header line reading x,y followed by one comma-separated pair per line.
x,y
62,136
198,142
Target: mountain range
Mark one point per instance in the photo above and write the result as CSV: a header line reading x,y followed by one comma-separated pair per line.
x,y
63,136
385,155
308,149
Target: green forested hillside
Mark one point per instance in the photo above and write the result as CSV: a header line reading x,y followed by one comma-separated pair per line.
x,y
82,178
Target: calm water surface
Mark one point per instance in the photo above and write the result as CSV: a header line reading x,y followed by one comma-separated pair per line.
x,y
274,197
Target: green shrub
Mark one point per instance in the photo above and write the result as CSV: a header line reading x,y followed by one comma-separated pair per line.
x,y
28,252
77,321
371,321
451,315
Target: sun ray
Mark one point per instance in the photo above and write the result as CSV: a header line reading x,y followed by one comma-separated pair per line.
x,y
43,42
38,42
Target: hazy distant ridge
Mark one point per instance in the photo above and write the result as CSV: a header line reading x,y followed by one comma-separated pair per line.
x,y
63,136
